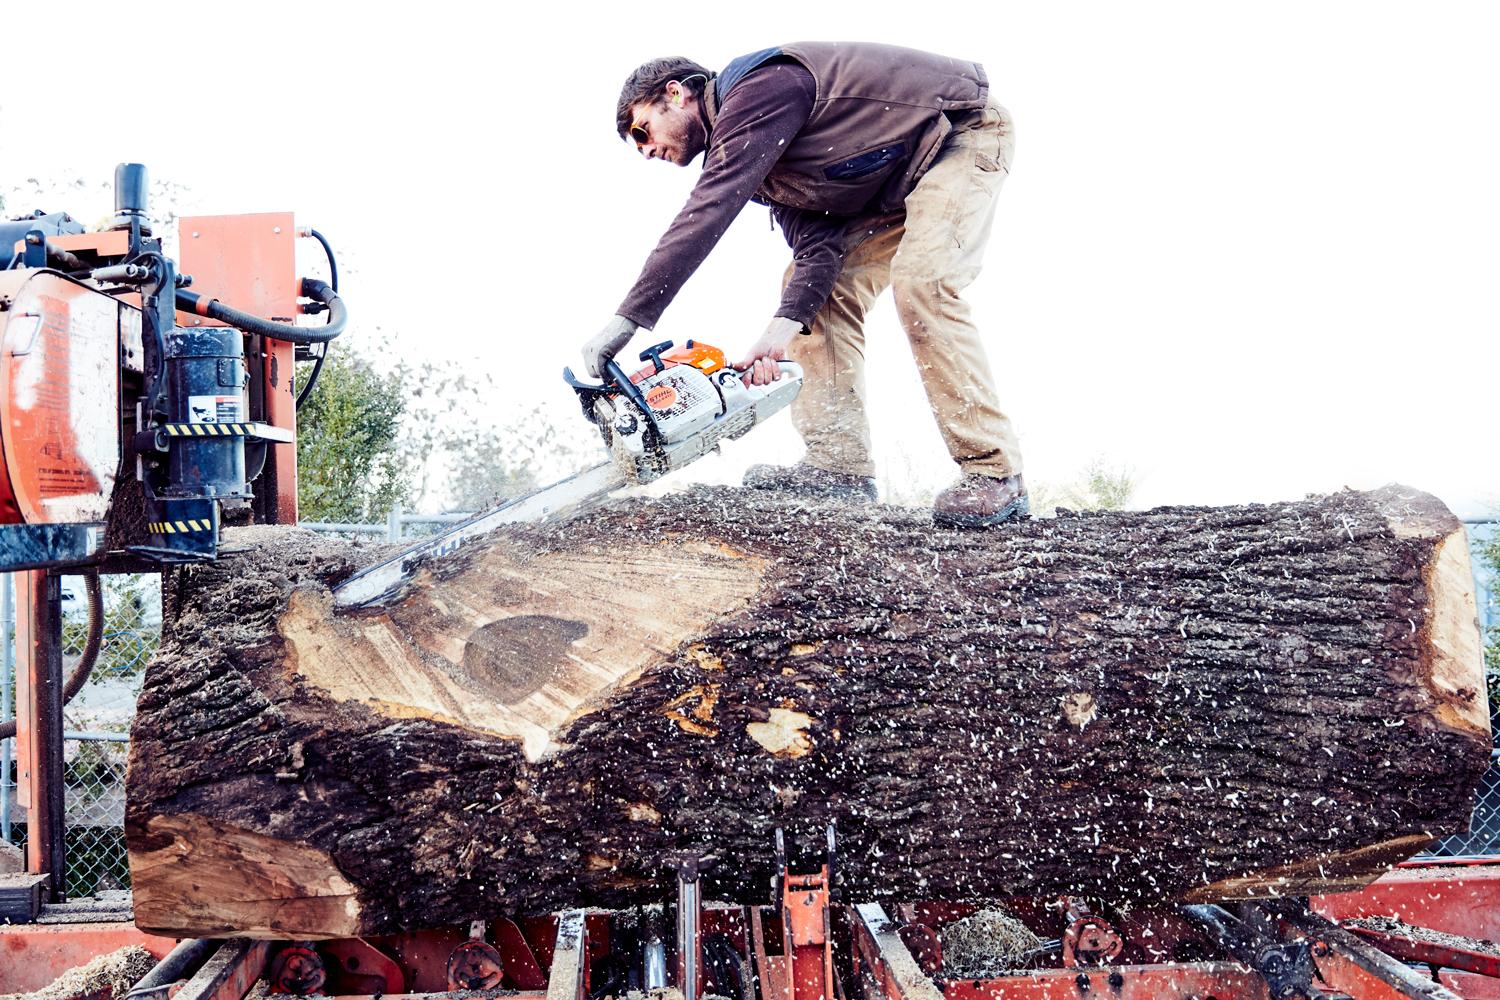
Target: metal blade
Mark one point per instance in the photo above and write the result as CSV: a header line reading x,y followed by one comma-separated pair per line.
x,y
374,584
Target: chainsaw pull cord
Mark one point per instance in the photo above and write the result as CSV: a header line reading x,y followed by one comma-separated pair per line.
x,y
312,288
91,646
333,280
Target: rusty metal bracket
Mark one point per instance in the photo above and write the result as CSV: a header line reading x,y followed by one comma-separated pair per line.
x,y
229,973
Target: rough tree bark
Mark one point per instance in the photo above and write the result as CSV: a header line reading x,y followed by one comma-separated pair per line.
x,y
1184,703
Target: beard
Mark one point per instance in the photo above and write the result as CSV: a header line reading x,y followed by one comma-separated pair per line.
x,y
692,140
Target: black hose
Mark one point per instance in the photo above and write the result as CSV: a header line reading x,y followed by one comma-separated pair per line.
x,y
181,962
312,288
333,279
333,268
91,646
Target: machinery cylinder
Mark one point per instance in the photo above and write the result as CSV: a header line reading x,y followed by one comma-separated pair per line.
x,y
130,189
207,377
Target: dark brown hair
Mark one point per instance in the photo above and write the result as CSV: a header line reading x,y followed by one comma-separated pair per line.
x,y
649,83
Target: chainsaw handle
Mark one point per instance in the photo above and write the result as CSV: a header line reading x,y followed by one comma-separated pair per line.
x,y
622,384
630,390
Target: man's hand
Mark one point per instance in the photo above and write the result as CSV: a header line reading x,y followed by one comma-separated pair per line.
x,y
760,365
609,342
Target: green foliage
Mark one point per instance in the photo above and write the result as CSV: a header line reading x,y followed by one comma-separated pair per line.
x,y
1098,487
348,468
466,453
1487,555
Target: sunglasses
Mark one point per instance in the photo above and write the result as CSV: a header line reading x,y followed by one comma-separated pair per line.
x,y
639,134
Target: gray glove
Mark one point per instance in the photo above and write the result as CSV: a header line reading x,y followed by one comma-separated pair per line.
x,y
609,342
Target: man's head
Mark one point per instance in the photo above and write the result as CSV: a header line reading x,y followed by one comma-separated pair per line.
x,y
660,110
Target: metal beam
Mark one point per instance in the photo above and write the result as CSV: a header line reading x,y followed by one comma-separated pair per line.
x,y
230,973
884,957
39,724
570,961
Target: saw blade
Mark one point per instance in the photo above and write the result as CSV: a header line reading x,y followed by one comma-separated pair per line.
x,y
376,583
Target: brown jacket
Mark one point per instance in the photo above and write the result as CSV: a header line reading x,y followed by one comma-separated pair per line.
x,y
877,123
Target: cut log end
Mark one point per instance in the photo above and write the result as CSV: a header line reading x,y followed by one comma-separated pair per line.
x,y
194,877
522,644
1454,664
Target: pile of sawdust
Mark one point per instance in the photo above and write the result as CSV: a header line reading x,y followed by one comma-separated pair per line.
x,y
117,972
1390,925
986,944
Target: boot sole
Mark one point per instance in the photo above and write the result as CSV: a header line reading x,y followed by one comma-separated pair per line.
x,y
1017,510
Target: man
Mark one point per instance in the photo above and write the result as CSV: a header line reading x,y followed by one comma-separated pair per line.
x,y
881,166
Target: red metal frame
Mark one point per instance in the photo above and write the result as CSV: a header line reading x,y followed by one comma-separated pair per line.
x,y
39,742
1456,899
33,955
250,262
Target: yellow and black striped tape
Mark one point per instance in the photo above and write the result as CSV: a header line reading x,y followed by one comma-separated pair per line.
x,y
208,430
178,527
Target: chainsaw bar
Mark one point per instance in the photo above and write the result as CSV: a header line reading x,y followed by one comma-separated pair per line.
x,y
675,414
376,583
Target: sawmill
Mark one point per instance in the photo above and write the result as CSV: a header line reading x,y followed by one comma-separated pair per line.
x,y
605,742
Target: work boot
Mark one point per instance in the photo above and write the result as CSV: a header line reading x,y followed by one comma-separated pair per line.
x,y
810,481
981,501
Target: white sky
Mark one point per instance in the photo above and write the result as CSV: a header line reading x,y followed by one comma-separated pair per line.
x,y
1248,250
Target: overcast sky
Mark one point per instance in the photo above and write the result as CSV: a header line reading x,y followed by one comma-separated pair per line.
x,y
1247,250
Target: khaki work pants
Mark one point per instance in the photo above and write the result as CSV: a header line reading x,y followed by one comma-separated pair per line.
x,y
927,260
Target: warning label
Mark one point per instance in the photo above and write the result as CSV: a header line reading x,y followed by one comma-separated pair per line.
x,y
213,409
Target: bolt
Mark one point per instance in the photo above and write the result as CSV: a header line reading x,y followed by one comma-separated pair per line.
x,y
195,236
276,229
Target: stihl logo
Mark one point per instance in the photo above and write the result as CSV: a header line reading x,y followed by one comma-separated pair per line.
x,y
661,397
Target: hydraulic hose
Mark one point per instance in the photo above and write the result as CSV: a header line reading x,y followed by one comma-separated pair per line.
x,y
333,280
312,288
91,646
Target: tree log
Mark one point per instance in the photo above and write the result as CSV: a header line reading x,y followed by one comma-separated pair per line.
x,y
1176,704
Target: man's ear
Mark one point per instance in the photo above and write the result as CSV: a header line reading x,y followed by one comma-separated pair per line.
x,y
675,92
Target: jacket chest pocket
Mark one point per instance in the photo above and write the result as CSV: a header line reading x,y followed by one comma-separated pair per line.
x,y
866,163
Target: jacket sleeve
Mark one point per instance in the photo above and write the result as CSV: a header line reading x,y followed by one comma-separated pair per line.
x,y
819,243
757,121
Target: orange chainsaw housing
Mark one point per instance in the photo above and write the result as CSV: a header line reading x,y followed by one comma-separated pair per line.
x,y
704,357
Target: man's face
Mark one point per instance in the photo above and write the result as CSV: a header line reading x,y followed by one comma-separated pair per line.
x,y
674,129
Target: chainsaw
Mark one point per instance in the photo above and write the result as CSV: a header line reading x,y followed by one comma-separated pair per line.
x,y
665,416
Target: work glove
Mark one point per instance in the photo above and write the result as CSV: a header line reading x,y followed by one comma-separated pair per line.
x,y
760,365
610,341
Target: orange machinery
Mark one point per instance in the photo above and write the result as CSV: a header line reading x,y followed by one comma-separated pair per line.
x,y
135,417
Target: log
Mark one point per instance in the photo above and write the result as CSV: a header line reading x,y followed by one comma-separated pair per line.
x,y
1181,704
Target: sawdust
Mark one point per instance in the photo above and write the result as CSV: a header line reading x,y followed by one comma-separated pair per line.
x,y
667,993
1426,935
985,944
106,976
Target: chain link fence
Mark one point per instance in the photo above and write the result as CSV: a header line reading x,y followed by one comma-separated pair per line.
x,y
97,721
96,725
